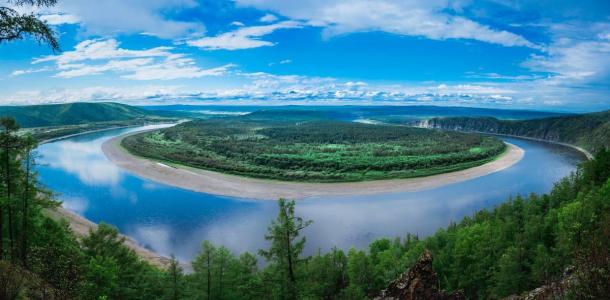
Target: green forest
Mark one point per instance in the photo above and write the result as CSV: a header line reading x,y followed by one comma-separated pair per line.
x,y
590,131
317,151
519,245
50,121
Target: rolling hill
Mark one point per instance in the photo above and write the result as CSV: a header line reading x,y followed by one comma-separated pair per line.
x,y
77,113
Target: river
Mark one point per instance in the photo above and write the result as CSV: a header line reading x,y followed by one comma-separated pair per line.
x,y
169,220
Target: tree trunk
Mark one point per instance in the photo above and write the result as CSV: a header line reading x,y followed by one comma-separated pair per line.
x,y
11,236
8,201
175,275
209,277
291,277
1,233
221,278
24,230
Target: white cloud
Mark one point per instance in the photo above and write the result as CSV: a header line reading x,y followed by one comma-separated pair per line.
x,y
269,89
578,57
281,62
98,49
242,38
92,57
434,19
113,17
92,94
575,61
58,19
268,18
30,71
174,69
237,23
110,17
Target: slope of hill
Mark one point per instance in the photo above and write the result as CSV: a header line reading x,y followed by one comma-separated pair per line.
x,y
75,113
590,131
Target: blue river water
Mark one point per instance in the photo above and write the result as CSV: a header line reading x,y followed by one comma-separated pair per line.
x,y
170,220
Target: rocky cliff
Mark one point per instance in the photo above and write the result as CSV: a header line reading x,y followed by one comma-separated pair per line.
x,y
589,131
419,282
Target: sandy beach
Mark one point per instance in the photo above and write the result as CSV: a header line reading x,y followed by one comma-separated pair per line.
x,y
236,186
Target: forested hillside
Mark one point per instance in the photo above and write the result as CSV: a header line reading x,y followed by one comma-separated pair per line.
x,y
45,122
590,131
76,113
517,246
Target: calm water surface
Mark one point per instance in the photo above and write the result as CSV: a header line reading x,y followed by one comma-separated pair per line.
x,y
169,220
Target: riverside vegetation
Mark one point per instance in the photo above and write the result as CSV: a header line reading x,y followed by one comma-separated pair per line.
x,y
518,245
590,131
317,151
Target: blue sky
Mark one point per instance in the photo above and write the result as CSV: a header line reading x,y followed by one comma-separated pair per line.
x,y
552,55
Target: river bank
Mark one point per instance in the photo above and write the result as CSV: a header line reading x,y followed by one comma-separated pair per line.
x,y
81,227
236,186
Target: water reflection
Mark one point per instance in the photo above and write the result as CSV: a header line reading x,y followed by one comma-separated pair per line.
x,y
85,161
174,221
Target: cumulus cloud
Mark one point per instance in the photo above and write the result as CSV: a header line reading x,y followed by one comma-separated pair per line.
x,y
434,19
268,18
110,17
243,37
269,89
92,57
59,19
576,59
93,94
572,71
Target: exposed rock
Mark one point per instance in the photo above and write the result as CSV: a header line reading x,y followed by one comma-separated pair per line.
x,y
419,282
554,290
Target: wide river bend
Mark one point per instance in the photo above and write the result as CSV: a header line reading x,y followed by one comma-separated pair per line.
x,y
169,220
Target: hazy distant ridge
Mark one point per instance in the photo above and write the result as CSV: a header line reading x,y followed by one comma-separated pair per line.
x,y
74,113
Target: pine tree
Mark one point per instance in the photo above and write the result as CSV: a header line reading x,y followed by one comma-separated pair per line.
x,y
286,248
203,265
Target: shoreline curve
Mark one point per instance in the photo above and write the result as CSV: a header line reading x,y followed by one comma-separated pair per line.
x,y
216,183
81,226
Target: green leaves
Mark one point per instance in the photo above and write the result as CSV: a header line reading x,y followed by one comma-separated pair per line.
x,y
15,26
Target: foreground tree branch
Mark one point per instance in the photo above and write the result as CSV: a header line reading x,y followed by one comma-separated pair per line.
x,y
15,26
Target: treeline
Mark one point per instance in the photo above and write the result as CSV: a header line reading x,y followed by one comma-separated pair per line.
x,y
321,151
590,131
517,246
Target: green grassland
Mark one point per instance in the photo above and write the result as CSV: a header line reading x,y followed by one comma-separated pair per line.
x,y
314,151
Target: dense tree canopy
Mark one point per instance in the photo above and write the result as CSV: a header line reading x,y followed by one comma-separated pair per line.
x,y
319,151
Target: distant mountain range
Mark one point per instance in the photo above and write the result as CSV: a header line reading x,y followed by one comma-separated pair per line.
x,y
350,112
